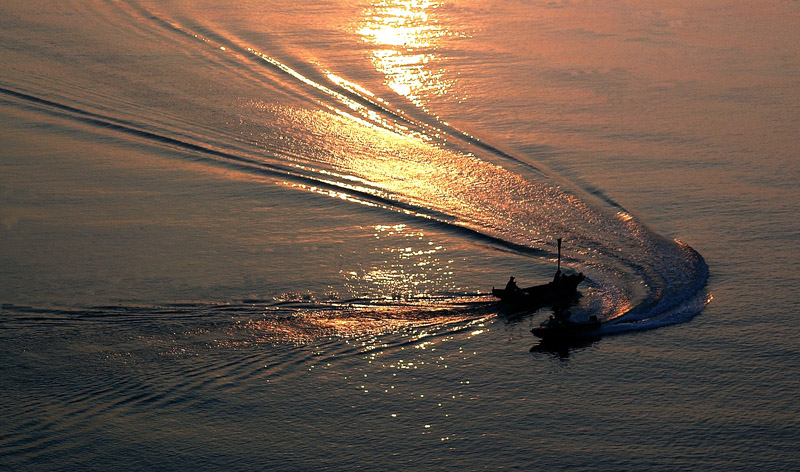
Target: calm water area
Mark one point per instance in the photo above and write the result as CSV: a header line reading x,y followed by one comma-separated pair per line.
x,y
262,235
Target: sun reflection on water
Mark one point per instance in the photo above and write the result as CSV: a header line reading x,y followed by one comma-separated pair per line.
x,y
405,35
413,265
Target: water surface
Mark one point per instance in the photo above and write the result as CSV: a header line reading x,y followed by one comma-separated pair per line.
x,y
262,235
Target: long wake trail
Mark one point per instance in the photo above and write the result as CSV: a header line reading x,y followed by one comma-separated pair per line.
x,y
360,149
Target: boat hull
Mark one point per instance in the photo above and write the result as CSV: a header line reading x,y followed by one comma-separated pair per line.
x,y
538,296
552,330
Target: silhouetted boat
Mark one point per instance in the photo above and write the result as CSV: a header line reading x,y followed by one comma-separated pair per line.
x,y
563,329
560,291
563,347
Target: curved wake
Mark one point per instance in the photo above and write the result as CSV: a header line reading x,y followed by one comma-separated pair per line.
x,y
334,137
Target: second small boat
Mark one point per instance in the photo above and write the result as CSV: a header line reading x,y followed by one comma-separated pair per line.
x,y
560,327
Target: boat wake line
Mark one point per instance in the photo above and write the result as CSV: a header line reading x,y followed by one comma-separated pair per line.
x,y
350,144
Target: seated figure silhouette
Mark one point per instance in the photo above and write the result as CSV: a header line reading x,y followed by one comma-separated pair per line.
x,y
511,285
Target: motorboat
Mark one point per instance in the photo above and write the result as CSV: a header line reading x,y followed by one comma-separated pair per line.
x,y
560,327
561,290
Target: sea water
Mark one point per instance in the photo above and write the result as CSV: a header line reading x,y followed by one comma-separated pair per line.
x,y
262,235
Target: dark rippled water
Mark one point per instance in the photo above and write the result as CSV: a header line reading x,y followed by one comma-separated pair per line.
x,y
262,235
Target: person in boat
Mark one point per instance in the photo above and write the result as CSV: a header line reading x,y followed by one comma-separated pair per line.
x,y
511,286
562,315
557,278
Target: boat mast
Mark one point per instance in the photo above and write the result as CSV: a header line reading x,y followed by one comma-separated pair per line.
x,y
559,254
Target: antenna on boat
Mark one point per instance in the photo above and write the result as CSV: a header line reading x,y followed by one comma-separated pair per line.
x,y
559,254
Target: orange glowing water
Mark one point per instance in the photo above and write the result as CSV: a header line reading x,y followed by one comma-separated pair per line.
x,y
262,234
